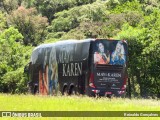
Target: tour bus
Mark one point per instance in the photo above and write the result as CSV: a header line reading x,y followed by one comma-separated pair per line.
x,y
91,67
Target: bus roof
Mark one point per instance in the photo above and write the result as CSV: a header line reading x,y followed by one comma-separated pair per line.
x,y
48,45
70,41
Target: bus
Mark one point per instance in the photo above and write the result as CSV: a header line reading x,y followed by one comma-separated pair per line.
x,y
88,67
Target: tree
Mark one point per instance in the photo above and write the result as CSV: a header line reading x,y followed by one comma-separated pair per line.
x,y
3,22
31,25
144,60
8,5
49,7
13,57
76,16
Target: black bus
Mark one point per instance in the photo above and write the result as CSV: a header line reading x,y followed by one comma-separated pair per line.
x,y
91,67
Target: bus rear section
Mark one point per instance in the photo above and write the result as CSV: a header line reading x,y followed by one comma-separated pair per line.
x,y
109,68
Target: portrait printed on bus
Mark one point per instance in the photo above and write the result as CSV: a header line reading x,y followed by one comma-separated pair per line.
x,y
101,56
110,52
118,56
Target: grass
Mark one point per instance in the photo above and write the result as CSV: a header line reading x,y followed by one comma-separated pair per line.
x,y
76,103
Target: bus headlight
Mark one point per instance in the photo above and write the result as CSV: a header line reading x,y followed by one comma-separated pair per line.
x,y
121,92
96,91
92,85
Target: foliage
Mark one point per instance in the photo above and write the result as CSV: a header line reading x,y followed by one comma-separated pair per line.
x,y
133,5
24,20
13,57
3,22
8,5
67,20
50,7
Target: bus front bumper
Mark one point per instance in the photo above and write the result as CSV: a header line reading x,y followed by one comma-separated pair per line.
x,y
102,92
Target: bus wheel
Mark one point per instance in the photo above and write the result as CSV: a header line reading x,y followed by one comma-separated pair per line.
x,y
65,91
72,91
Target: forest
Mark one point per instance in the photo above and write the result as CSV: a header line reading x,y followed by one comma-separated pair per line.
x,y
25,24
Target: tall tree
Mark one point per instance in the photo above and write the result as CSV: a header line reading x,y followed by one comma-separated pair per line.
x,y
30,24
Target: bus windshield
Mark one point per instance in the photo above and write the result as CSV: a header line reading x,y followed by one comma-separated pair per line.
x,y
110,52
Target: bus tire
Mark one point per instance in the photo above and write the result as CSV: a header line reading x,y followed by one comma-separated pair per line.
x,y
72,91
65,91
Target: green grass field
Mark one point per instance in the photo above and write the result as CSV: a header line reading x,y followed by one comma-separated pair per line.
x,y
76,103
